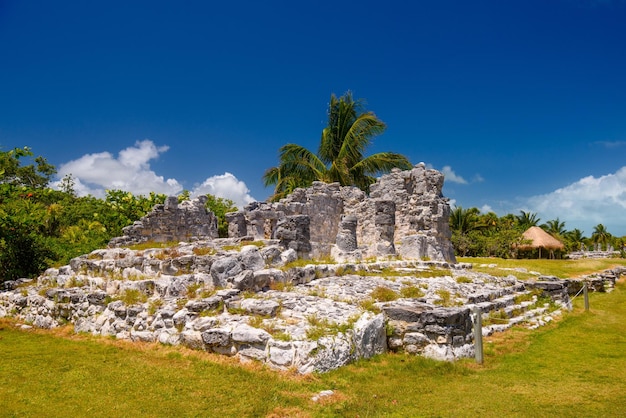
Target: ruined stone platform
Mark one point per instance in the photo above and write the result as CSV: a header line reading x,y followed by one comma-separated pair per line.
x,y
254,302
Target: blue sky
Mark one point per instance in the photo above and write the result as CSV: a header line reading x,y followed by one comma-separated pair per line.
x,y
522,104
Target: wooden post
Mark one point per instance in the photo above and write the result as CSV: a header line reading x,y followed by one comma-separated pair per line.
x,y
478,335
586,295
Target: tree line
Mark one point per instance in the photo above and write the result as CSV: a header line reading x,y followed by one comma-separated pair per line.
x,y
476,234
42,227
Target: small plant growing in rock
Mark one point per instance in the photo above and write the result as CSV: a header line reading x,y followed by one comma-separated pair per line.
x,y
369,305
180,303
281,336
214,311
384,294
317,292
154,305
433,272
445,297
192,290
389,329
282,286
463,279
207,293
152,244
320,327
411,292
496,317
200,251
132,296
73,282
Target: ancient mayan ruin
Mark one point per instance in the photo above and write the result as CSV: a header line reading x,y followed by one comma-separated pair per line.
x,y
326,276
405,215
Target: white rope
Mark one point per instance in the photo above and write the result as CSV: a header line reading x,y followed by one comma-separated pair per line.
x,y
570,304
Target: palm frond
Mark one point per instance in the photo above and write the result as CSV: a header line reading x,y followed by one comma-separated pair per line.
x,y
382,162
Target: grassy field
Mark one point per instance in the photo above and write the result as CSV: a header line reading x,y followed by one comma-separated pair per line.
x,y
576,367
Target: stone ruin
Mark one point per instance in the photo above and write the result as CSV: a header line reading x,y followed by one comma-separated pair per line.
x,y
405,215
171,222
249,301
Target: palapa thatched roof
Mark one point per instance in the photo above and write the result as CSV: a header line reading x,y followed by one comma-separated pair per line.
x,y
540,239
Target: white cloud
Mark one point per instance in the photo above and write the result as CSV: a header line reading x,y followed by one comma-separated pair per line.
x,y
226,186
451,176
94,173
586,203
611,144
486,209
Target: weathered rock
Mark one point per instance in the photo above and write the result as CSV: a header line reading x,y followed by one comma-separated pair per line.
x,y
261,307
171,222
294,233
216,337
346,236
249,335
225,268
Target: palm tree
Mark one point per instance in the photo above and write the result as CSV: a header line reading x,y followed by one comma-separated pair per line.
x,y
464,220
555,227
600,235
527,219
575,239
340,157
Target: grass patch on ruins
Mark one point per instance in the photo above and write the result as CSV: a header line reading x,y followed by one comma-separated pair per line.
x,y
384,294
132,297
570,368
152,244
559,268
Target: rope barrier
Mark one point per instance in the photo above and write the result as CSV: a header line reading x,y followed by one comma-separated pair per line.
x,y
570,304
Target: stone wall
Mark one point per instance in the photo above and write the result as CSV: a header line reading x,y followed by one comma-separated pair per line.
x,y
405,214
171,222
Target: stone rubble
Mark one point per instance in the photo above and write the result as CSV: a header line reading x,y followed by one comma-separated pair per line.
x,y
246,302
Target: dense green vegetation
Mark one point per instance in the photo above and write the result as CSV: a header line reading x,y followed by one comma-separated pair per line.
x,y
42,227
476,234
340,157
571,368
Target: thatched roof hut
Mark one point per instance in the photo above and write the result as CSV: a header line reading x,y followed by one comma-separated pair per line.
x,y
540,239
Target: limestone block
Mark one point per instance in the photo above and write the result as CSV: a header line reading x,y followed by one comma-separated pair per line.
x,y
216,337
225,268
346,237
369,335
244,280
249,335
251,258
190,339
281,353
260,307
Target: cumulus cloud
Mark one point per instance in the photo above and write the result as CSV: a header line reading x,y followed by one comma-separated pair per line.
x,y
451,176
130,171
586,203
226,186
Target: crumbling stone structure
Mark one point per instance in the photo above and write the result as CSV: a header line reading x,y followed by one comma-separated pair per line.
x,y
405,214
171,221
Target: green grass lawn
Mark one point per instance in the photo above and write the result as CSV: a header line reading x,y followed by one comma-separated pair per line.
x,y
576,367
